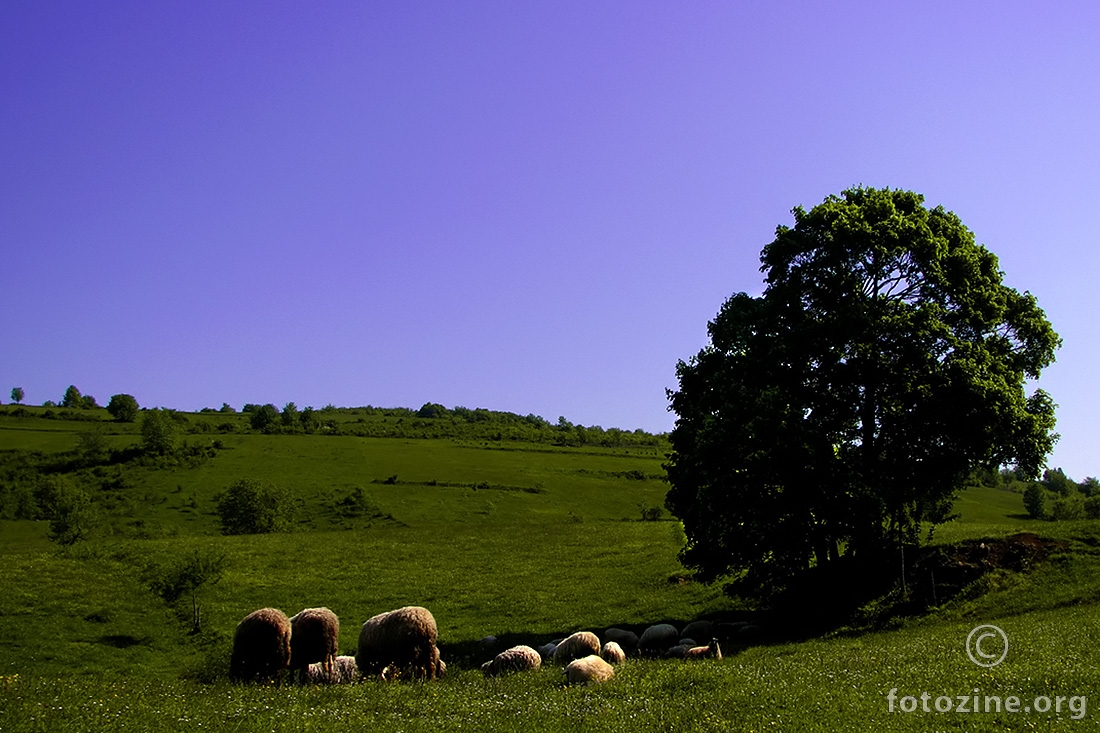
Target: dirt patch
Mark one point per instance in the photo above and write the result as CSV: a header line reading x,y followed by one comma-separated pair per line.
x,y
972,558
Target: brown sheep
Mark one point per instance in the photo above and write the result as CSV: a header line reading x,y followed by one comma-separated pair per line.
x,y
588,669
710,651
580,644
314,637
398,642
517,659
261,646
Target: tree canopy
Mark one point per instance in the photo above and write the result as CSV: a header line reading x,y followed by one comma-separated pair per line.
x,y
847,404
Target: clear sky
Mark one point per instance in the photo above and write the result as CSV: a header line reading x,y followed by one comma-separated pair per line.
x,y
532,207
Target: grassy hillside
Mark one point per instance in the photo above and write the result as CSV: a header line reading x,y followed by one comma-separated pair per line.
x,y
512,538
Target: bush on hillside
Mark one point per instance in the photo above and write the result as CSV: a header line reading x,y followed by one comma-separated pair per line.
x,y
68,508
1035,501
159,432
123,407
252,507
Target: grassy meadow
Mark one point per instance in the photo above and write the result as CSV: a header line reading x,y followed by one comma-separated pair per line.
x,y
521,540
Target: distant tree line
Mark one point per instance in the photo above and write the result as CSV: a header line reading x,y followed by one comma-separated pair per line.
x,y
432,420
1056,496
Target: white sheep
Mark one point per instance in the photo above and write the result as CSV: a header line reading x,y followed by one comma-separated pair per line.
x,y
398,642
344,671
517,659
612,653
590,669
261,646
315,634
580,644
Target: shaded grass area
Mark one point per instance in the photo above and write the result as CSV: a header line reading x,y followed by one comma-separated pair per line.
x,y
830,685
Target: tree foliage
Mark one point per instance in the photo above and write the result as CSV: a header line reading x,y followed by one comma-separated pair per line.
x,y
184,577
67,507
17,394
252,507
159,432
832,415
123,407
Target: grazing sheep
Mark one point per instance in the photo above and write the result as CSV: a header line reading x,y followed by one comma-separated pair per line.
x,y
261,646
628,640
588,669
398,642
315,633
343,672
679,651
710,651
580,644
517,659
612,653
658,639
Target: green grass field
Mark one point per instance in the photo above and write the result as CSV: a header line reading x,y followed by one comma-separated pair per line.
x,y
521,541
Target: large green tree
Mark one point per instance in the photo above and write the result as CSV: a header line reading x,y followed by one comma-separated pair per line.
x,y
835,413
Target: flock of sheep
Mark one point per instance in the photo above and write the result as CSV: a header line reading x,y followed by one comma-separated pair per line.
x,y
402,644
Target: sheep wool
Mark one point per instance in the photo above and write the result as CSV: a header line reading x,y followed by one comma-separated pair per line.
x,y
580,644
517,659
343,672
397,642
315,634
590,669
612,653
261,646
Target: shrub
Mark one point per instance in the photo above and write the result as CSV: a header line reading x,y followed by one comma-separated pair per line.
x,y
1068,507
68,508
252,507
1092,507
264,418
1035,501
92,445
159,432
182,578
123,407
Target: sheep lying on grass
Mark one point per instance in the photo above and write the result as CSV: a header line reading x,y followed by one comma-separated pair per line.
x,y
344,671
590,669
315,633
517,659
261,646
400,642
580,644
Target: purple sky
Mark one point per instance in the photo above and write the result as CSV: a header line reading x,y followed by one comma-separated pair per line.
x,y
533,207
